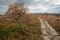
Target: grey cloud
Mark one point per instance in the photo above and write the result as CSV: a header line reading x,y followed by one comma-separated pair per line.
x,y
26,2
54,9
4,4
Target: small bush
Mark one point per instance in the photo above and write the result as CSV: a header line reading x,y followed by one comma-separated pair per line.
x,y
15,33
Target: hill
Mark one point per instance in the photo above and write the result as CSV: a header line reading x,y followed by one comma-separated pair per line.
x,y
31,26
31,19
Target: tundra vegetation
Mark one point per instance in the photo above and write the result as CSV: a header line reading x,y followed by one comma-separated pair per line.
x,y
17,25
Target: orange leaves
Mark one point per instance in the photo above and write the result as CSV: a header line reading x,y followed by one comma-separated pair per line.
x,y
15,8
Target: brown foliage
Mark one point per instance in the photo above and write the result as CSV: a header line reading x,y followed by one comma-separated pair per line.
x,y
53,20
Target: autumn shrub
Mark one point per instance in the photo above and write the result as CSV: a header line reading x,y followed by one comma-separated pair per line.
x,y
15,32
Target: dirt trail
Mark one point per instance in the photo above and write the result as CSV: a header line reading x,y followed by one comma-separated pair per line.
x,y
48,32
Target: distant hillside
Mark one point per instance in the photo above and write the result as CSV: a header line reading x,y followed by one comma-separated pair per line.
x,y
31,19
7,20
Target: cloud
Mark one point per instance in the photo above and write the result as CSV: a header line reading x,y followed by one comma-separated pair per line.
x,y
45,6
56,1
12,1
54,9
4,4
36,6
3,9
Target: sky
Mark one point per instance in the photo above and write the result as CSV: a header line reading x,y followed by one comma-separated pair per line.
x,y
35,6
